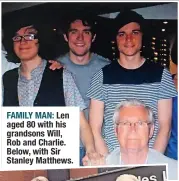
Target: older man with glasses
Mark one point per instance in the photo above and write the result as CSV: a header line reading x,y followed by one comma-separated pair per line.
x,y
134,127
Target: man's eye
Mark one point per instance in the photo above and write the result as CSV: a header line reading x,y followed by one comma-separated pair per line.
x,y
16,38
120,34
135,32
140,123
29,37
73,32
87,32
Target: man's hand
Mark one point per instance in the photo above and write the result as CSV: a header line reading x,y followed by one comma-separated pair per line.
x,y
93,159
54,65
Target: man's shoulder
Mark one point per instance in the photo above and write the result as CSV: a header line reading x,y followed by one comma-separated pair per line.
x,y
156,157
11,72
113,157
66,72
150,65
63,58
160,158
10,76
109,69
157,71
101,59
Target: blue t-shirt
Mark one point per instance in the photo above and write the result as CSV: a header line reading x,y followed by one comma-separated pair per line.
x,y
172,148
83,74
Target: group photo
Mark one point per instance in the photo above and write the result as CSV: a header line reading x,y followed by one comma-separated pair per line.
x,y
115,61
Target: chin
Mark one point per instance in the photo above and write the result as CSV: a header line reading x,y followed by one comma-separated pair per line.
x,y
80,54
135,146
25,58
133,150
130,53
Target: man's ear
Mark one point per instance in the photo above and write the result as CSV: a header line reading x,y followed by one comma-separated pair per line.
x,y
116,130
65,37
94,37
151,131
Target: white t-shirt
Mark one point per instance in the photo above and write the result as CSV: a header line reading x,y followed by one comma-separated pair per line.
x,y
5,65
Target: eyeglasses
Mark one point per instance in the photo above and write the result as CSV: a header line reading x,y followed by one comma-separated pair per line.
x,y
138,124
28,37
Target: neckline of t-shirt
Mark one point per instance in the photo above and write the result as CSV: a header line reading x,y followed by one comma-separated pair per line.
x,y
79,65
138,68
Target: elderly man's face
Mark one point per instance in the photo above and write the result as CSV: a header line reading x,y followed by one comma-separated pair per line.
x,y
26,49
132,136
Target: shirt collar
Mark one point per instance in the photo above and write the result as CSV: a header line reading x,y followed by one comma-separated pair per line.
x,y
36,72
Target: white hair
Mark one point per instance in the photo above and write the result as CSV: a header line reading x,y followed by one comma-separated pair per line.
x,y
39,178
127,177
133,102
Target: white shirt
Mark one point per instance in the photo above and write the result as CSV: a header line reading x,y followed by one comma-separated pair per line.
x,y
5,65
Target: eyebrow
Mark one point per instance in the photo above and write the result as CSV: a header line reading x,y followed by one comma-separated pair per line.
x,y
137,30
132,31
30,29
74,29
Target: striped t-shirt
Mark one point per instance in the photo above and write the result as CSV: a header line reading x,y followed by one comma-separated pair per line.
x,y
114,83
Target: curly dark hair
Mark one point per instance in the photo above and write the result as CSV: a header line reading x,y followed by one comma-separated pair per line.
x,y
87,20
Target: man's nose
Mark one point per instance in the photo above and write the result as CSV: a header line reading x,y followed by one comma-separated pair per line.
x,y
80,36
22,40
133,127
129,37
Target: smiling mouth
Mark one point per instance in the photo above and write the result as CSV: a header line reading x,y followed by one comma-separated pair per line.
x,y
129,46
79,44
24,49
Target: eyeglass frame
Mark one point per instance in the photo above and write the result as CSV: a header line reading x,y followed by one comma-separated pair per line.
x,y
127,123
34,36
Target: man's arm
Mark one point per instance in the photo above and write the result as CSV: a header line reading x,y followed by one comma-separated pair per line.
x,y
86,134
96,120
167,90
164,118
73,98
